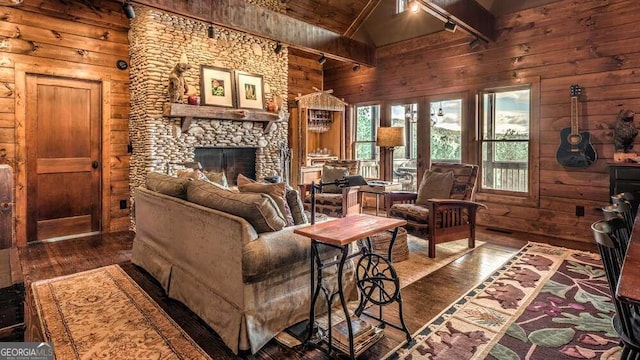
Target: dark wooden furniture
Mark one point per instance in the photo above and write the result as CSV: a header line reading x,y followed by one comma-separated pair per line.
x,y
628,288
375,278
342,204
441,220
624,177
610,237
11,297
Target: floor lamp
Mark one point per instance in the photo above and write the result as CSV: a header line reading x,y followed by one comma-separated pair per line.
x,y
389,138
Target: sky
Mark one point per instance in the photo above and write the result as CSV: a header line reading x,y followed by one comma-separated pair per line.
x,y
513,112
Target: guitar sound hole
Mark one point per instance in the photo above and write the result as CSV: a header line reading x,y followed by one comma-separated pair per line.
x,y
574,139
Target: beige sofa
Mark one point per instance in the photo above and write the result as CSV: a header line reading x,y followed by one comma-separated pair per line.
x,y
245,285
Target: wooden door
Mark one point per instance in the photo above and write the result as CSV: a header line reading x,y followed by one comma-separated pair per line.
x,y
63,131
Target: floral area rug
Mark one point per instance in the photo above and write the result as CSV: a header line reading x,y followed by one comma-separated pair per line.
x,y
545,303
104,314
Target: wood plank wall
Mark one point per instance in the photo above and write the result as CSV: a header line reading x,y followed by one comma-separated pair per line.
x,y
305,73
595,44
61,39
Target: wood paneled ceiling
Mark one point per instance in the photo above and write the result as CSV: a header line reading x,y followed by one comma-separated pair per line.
x,y
375,22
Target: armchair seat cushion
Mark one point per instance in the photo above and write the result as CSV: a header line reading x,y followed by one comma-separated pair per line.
x,y
417,216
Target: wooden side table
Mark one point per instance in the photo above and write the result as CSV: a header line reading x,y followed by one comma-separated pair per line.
x,y
376,278
377,189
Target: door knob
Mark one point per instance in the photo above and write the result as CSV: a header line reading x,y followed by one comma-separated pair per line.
x,y
95,164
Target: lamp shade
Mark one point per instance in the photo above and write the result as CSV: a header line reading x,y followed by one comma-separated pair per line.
x,y
390,136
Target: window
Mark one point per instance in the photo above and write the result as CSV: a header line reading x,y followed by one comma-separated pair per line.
x,y
367,120
505,133
404,157
446,130
401,6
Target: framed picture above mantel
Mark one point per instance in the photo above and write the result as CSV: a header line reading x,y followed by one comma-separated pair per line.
x,y
217,86
250,91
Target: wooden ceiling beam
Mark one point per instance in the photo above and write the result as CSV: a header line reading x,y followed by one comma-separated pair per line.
x,y
260,21
468,14
361,18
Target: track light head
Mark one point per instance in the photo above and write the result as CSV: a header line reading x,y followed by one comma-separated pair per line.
x,y
414,6
278,48
450,26
475,43
128,10
322,59
211,32
356,67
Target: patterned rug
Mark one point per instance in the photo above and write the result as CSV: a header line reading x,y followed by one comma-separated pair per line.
x,y
545,303
104,314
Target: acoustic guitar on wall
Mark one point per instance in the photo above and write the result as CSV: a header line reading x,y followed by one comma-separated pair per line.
x,y
575,147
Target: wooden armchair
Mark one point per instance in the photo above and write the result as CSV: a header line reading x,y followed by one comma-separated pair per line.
x,y
335,204
441,220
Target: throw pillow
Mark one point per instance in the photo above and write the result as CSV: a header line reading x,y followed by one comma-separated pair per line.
x,y
296,206
191,174
276,191
168,185
331,174
258,209
434,185
217,177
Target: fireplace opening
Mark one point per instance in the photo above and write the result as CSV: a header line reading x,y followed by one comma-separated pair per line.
x,y
231,160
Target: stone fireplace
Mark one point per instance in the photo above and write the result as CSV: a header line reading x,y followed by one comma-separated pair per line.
x,y
157,41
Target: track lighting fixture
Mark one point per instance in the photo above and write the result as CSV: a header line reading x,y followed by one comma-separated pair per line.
x,y
322,59
414,6
475,43
211,32
356,67
278,48
128,10
450,26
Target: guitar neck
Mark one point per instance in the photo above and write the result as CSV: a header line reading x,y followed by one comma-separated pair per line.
x,y
574,115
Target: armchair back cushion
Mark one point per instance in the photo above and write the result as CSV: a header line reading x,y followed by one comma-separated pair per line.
x,y
465,177
331,174
352,165
434,185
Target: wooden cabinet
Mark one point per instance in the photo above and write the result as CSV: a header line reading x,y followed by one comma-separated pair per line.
x,y
315,137
624,177
11,297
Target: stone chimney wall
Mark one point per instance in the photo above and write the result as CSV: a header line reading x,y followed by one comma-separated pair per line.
x,y
157,41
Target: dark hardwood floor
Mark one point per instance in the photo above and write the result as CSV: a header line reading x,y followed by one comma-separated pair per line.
x,y
423,299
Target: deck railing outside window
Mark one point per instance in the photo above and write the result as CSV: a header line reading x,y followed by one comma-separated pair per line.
x,y
506,175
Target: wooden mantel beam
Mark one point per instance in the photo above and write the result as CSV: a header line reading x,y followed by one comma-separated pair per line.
x,y
468,14
260,21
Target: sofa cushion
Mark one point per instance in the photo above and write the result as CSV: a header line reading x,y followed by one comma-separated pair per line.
x,y
217,177
275,190
191,174
276,253
331,174
167,185
296,206
434,185
258,209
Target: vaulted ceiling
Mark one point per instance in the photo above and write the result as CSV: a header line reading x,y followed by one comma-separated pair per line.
x,y
375,22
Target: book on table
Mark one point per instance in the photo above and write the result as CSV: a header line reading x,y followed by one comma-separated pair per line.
x,y
362,344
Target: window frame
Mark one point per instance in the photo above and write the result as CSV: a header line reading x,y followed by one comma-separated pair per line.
x,y
532,196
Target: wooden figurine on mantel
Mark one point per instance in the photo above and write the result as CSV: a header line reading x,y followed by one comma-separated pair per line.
x,y
177,85
624,134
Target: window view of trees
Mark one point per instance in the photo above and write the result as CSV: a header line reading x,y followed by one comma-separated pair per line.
x,y
446,130
367,121
505,139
